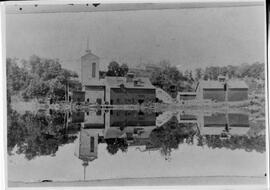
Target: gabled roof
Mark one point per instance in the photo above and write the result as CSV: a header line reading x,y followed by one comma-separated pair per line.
x,y
142,83
237,84
212,84
90,54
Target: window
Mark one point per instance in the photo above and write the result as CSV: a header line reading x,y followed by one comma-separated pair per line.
x,y
225,87
94,65
92,143
87,99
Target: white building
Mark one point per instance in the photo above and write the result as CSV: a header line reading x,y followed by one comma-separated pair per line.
x,y
92,85
113,90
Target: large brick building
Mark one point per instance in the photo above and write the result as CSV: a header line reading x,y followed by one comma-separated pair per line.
x,y
130,90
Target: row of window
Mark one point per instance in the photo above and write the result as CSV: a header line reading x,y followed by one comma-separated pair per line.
x,y
140,100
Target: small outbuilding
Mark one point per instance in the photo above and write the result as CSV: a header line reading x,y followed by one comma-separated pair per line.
x,y
211,90
216,124
237,90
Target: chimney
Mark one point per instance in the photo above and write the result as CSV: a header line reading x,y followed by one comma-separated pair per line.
x,y
130,77
221,78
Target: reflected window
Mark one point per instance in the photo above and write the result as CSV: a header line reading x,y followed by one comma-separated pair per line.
x,y
99,101
92,141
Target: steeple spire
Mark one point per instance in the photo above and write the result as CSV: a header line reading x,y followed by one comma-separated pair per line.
x,y
85,164
87,46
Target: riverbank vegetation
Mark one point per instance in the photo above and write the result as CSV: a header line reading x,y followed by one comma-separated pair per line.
x,y
39,78
46,78
167,76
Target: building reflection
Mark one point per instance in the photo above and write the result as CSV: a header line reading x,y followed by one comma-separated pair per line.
x,y
224,124
121,129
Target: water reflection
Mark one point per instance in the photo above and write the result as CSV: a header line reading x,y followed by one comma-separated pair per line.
x,y
42,133
37,134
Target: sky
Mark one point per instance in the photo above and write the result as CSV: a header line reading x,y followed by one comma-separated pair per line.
x,y
188,38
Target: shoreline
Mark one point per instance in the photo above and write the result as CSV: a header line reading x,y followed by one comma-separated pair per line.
x,y
155,181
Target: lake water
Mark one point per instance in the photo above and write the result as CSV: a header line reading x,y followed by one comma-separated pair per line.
x,y
106,144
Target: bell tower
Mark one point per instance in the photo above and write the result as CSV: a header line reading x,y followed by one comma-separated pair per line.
x,y
89,67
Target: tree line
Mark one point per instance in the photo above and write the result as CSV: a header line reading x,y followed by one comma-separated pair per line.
x,y
37,134
43,77
170,78
39,78
254,70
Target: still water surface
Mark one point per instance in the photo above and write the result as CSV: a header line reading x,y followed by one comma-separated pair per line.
x,y
105,144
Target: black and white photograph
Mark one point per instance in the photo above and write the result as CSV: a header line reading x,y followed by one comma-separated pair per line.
x,y
136,94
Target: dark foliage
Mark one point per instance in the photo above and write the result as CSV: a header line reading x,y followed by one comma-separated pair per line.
x,y
113,145
36,134
114,69
39,78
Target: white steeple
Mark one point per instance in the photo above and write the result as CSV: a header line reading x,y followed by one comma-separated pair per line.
x,y
87,46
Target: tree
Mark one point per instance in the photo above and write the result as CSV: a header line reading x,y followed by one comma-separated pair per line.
x,y
40,78
212,73
113,145
114,69
169,76
36,134
198,74
123,69
171,134
17,78
234,142
190,77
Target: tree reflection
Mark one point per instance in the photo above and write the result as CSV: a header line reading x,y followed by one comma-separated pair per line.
x,y
36,134
113,145
171,134
234,142
42,133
